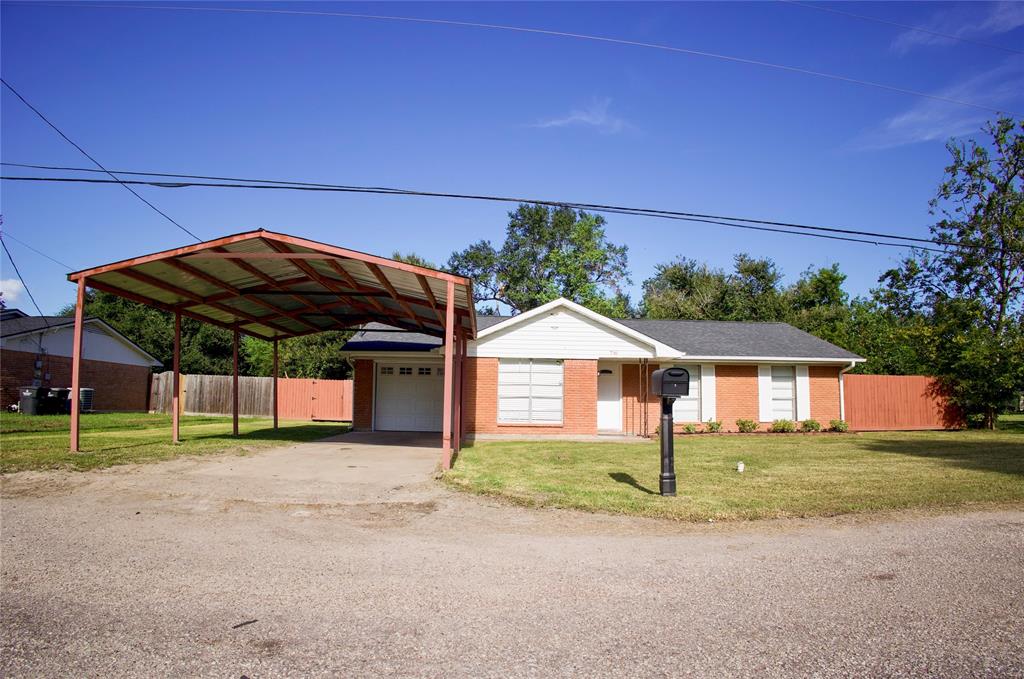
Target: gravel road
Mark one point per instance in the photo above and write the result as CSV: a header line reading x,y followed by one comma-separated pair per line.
x,y
231,567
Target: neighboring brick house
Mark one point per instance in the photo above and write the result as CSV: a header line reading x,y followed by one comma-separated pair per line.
x,y
36,351
562,369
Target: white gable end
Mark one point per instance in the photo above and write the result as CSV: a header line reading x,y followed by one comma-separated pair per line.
x,y
560,333
98,344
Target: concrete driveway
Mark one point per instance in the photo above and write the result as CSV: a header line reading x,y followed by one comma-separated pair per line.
x,y
347,558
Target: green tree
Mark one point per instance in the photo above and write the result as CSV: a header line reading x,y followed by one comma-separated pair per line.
x,y
312,356
971,294
413,258
692,290
549,252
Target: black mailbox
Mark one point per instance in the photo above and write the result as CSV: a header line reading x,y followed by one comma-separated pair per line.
x,y
670,382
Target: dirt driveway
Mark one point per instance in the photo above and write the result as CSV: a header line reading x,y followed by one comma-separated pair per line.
x,y
347,558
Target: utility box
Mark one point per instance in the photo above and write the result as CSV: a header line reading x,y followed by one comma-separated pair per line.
x,y
670,382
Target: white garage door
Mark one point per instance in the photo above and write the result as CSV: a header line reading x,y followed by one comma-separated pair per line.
x,y
410,397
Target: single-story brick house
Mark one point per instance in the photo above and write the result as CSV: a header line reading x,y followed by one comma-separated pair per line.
x,y
36,351
562,369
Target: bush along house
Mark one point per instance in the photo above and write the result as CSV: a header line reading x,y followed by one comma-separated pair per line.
x,y
564,370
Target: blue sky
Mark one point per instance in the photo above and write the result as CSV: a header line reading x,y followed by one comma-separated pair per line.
x,y
448,108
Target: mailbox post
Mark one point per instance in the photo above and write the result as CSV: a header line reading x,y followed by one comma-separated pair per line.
x,y
669,384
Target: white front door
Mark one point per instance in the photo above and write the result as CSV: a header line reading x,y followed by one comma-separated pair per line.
x,y
609,397
410,397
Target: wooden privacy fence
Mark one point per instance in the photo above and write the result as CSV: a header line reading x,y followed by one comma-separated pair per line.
x,y
297,399
894,402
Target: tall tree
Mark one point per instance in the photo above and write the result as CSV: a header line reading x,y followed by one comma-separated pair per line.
x,y
549,252
692,290
972,293
313,356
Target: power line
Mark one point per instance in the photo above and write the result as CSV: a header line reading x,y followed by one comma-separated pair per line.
x,y
574,204
823,8
96,162
561,34
40,253
626,211
23,283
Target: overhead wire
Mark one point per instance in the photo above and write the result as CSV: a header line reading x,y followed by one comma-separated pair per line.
x,y
575,204
96,162
542,31
608,209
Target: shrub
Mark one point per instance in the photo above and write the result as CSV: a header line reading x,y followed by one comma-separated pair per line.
x,y
690,428
714,426
810,425
783,426
838,425
746,426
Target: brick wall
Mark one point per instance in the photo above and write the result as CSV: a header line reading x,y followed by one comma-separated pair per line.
x,y
362,395
480,400
824,393
119,387
736,394
637,403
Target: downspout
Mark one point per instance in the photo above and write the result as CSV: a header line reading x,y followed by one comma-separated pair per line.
x,y
842,392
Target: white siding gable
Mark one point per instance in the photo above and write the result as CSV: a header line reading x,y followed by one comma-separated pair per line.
x,y
560,333
98,345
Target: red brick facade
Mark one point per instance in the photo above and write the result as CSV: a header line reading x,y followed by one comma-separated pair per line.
x,y
119,387
480,400
736,397
824,393
362,395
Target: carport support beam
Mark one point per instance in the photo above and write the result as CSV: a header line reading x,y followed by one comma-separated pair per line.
x,y
176,386
460,348
76,364
449,377
234,384
275,384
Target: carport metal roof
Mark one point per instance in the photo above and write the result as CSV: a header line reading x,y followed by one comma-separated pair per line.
x,y
274,286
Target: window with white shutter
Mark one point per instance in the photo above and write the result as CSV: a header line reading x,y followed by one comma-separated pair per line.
x,y
529,391
783,392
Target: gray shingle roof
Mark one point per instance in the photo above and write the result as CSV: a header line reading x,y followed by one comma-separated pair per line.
x,y
693,338
736,338
16,326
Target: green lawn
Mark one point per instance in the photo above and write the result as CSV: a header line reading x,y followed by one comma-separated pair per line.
x,y
41,442
787,475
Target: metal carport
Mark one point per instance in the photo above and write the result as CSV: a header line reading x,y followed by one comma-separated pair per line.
x,y
275,286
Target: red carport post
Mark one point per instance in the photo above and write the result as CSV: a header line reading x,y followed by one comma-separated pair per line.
x,y
449,356
76,364
234,385
176,386
460,348
275,384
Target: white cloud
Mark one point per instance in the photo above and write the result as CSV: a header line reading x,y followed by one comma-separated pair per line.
x,y
12,289
596,115
934,120
964,22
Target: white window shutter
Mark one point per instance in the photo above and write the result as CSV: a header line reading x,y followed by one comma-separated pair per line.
x,y
803,393
707,392
764,393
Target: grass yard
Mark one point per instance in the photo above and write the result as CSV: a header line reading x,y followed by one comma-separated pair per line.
x,y
787,475
41,442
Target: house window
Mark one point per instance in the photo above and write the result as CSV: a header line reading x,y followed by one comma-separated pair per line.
x,y
783,392
405,371
687,408
387,370
529,391
423,371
